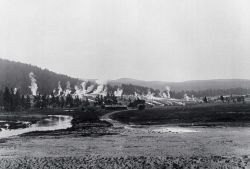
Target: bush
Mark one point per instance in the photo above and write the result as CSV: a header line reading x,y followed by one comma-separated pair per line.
x,y
141,107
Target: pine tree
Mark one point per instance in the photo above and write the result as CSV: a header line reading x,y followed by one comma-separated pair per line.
x,y
52,100
62,102
44,101
69,100
27,102
12,106
22,102
1,99
87,102
16,100
6,99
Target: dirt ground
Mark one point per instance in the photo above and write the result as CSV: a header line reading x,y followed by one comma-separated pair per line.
x,y
228,149
130,147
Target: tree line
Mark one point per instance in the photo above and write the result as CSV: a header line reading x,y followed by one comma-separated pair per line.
x,y
11,100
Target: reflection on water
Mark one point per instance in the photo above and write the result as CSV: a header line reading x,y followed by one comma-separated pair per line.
x,y
53,122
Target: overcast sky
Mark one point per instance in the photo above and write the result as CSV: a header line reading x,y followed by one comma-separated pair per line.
x,y
168,40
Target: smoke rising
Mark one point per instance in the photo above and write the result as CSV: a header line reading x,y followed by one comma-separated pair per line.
x,y
33,87
186,97
168,92
15,90
101,88
90,89
68,89
59,89
118,92
80,91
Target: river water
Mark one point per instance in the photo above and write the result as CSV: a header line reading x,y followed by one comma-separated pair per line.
x,y
52,122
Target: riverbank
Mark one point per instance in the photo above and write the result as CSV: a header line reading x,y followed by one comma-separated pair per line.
x,y
84,123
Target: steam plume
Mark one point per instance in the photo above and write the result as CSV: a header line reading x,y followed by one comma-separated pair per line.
x,y
90,88
150,95
80,91
33,87
168,92
68,89
15,90
59,89
186,97
118,92
101,88
137,96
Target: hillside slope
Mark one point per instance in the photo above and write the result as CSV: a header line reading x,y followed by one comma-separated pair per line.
x,y
16,75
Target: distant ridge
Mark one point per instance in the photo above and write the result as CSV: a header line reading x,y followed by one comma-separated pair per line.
x,y
195,85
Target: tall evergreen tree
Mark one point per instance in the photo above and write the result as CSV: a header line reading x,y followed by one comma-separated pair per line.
x,y
69,100
27,102
16,100
6,99
1,99
22,102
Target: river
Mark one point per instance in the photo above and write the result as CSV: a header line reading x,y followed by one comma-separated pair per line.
x,y
52,122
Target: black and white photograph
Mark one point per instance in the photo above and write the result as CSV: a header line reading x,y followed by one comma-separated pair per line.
x,y
124,84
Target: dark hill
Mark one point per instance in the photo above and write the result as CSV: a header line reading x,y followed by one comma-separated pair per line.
x,y
16,74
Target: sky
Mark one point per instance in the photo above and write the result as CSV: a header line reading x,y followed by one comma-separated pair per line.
x,y
166,40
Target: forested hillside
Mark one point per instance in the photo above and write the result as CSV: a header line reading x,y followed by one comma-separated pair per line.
x,y
16,75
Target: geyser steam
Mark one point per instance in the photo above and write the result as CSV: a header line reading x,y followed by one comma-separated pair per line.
x,y
80,91
118,92
167,94
59,89
33,87
68,89
15,90
101,88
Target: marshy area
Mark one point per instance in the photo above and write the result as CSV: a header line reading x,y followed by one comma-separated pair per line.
x,y
132,139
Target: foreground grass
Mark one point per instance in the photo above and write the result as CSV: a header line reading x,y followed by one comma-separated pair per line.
x,y
206,114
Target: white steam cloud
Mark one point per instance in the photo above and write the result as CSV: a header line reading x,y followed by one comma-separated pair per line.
x,y
90,89
80,91
68,89
15,91
186,97
33,87
167,94
59,89
101,88
118,92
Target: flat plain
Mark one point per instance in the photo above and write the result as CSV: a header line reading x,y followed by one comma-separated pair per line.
x,y
120,144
